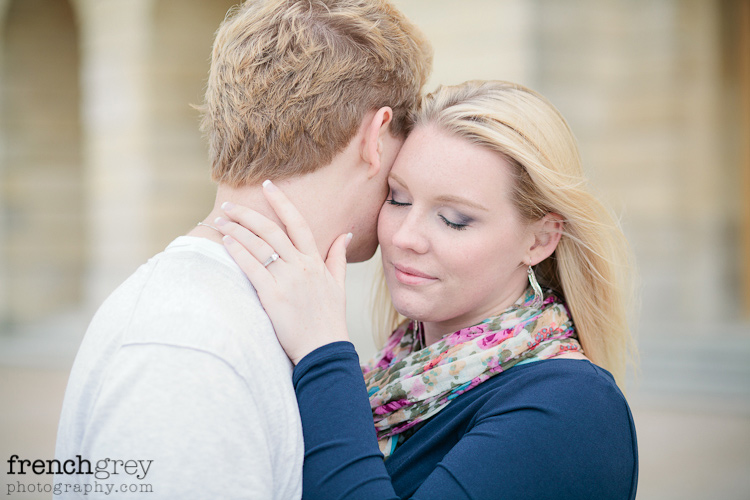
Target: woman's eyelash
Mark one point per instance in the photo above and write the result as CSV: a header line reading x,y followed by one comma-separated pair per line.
x,y
453,225
391,201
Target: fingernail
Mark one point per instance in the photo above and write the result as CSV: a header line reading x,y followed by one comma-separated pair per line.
x,y
348,240
227,205
269,186
228,240
220,221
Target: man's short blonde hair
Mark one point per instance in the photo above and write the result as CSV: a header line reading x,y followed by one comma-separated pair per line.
x,y
291,80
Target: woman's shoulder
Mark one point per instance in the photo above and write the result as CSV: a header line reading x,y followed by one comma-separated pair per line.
x,y
575,400
563,371
567,412
560,386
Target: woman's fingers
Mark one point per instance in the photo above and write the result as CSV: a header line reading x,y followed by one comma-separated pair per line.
x,y
250,265
298,236
296,225
336,261
257,247
252,224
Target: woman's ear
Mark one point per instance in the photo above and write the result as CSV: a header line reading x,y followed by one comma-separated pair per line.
x,y
372,147
547,233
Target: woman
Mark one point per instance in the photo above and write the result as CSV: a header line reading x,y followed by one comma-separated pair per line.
x,y
484,391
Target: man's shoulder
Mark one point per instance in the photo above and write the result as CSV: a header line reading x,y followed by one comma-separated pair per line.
x,y
176,313
187,298
190,270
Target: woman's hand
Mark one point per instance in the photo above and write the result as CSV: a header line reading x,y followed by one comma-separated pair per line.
x,y
303,295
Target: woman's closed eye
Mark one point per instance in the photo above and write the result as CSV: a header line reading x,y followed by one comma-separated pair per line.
x,y
393,197
392,201
454,221
458,226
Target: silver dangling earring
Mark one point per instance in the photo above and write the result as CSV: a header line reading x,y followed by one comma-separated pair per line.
x,y
538,295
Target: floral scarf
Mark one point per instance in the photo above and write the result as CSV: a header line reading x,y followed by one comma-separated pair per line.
x,y
408,384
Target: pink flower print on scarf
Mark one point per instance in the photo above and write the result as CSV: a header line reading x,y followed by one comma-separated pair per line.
x,y
494,339
466,334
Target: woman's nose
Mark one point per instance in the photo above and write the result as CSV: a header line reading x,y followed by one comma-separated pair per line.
x,y
410,235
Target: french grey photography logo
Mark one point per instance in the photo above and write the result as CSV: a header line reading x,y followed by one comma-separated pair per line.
x,y
78,476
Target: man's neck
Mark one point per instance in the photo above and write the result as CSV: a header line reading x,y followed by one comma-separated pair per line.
x,y
308,195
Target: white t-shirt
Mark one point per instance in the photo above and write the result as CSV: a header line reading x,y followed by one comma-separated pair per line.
x,y
181,367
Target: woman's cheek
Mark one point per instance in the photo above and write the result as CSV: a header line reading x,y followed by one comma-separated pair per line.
x,y
385,223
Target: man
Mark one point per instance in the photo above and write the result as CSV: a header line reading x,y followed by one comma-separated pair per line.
x,y
180,374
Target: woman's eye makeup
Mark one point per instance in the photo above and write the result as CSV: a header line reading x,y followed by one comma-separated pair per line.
x,y
392,195
458,222
460,225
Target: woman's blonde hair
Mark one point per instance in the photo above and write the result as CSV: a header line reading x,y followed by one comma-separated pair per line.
x,y
590,269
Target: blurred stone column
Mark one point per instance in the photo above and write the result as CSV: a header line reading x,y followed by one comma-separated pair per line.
x,y
704,207
743,56
4,302
42,176
115,38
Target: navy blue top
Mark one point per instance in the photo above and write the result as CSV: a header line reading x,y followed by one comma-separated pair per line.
x,y
558,428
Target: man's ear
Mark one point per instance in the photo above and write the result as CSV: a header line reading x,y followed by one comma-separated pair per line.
x,y
547,233
372,145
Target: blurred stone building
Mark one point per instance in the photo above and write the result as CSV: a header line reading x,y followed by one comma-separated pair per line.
x,y
102,164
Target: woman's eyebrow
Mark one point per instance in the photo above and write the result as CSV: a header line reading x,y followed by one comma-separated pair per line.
x,y
397,179
449,198
446,198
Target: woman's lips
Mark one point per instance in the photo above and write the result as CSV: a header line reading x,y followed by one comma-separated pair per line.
x,y
410,276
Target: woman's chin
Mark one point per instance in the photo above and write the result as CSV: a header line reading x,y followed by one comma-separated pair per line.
x,y
412,311
413,303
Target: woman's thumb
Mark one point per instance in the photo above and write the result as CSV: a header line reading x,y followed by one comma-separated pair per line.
x,y
336,261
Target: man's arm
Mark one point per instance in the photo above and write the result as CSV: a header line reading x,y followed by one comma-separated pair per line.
x,y
191,414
